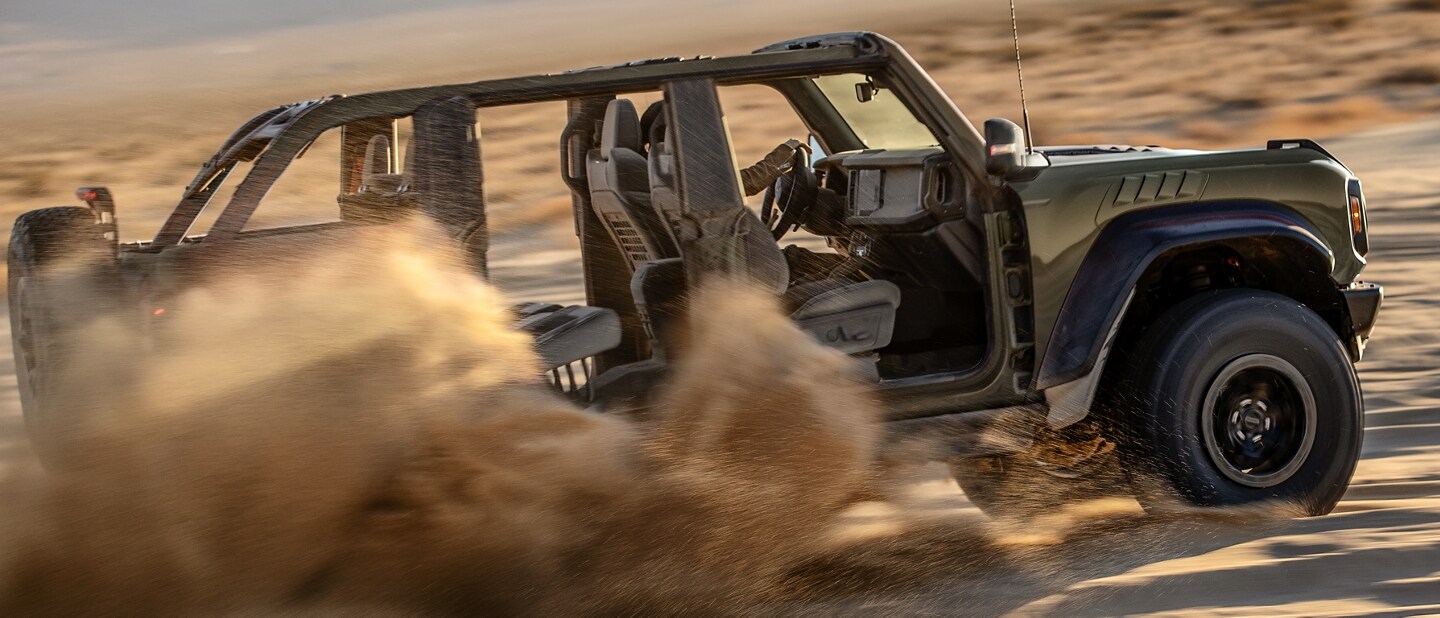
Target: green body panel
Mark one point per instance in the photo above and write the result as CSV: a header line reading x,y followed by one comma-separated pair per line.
x,y
1068,204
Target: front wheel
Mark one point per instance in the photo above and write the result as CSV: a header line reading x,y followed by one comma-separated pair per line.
x,y
1242,396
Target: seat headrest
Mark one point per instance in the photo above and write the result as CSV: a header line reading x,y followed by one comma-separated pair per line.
x,y
621,128
377,158
652,125
376,173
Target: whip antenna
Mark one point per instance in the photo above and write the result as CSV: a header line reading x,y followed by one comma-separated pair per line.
x,y
1020,74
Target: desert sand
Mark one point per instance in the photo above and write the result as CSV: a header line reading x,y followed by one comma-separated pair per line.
x,y
1362,75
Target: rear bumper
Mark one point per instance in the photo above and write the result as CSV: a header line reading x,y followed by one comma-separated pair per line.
x,y
1362,303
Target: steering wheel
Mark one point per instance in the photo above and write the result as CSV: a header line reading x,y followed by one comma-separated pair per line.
x,y
789,198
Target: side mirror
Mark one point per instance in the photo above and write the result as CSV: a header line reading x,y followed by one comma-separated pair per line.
x,y
1004,148
103,205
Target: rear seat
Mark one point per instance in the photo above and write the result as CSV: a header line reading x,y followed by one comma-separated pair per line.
x,y
382,197
564,335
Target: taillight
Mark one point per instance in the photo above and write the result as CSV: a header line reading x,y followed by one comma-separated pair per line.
x,y
1358,231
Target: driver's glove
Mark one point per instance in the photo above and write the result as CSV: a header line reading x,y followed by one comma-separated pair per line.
x,y
765,171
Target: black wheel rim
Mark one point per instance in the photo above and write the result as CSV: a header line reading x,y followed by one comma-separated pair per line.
x,y
1258,420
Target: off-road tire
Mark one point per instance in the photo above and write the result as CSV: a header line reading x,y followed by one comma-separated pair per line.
x,y
48,247
1235,350
1027,484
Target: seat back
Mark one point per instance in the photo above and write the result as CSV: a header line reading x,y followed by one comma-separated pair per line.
x,y
852,316
620,192
766,260
664,195
377,173
382,196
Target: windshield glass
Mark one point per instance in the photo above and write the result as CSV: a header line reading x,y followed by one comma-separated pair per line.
x,y
881,122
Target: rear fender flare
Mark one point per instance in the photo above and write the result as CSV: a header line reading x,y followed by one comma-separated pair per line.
x,y
1130,244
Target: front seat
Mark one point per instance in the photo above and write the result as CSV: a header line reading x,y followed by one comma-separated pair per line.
x,y
849,315
620,189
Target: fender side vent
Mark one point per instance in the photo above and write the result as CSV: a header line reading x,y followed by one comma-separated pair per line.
x,y
1163,187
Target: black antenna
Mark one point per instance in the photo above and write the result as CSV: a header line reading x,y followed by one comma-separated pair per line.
x,y
1019,73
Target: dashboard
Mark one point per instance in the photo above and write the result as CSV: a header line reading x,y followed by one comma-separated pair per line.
x,y
896,189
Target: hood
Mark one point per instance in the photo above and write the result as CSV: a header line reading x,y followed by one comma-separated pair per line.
x,y
1071,155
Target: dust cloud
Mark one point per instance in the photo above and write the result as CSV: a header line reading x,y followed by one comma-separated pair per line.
x,y
352,425
355,426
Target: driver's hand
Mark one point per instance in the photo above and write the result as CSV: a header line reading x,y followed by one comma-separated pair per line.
x,y
765,171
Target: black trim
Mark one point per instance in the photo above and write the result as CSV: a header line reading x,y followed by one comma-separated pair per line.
x,y
1307,144
864,41
283,140
1128,245
1362,302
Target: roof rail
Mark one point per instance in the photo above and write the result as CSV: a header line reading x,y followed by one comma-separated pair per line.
x,y
865,42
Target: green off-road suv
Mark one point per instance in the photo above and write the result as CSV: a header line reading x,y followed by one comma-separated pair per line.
x,y
1172,324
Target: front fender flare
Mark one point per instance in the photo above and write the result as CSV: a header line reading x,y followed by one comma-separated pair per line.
x,y
1129,245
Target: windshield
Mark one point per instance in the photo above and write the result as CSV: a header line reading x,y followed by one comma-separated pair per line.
x,y
881,122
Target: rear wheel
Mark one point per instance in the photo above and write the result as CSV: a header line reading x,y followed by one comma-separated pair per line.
x,y
49,248
1242,396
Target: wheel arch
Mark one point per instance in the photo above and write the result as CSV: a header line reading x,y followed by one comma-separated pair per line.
x,y
1146,261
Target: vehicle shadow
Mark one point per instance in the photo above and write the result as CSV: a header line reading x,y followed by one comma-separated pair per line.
x,y
1122,563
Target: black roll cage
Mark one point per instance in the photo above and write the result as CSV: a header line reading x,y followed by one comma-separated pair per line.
x,y
274,138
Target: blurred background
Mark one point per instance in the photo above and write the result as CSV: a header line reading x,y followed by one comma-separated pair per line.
x,y
137,95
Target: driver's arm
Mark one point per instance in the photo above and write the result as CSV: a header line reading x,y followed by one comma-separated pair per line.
x,y
765,171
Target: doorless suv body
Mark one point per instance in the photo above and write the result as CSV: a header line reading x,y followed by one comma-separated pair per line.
x,y
1188,318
